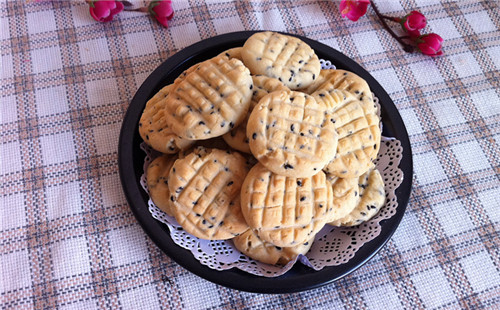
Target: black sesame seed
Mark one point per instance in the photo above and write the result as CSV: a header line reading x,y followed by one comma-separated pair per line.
x,y
251,87
195,203
302,134
254,136
140,124
230,183
287,166
301,61
278,248
179,189
171,198
320,205
321,95
314,76
231,125
292,127
302,198
299,182
147,137
201,123
226,169
227,54
259,58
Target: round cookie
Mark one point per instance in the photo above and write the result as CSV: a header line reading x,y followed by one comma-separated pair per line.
x,y
372,198
252,246
154,129
205,191
262,85
358,133
283,57
285,211
290,135
345,195
210,100
157,180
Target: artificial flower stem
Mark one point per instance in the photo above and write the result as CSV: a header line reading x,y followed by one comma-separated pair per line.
x,y
141,9
391,18
408,48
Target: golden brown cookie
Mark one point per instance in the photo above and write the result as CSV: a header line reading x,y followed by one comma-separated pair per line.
x,y
252,246
262,85
157,179
358,129
211,100
285,211
290,134
283,57
154,128
205,191
345,196
372,199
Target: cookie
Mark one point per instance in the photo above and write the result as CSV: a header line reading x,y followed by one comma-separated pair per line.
x,y
157,180
252,246
154,129
285,211
290,135
205,190
346,82
340,79
262,85
234,52
345,196
283,57
372,198
211,100
358,129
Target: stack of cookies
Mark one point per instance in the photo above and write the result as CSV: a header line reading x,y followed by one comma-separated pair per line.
x,y
262,146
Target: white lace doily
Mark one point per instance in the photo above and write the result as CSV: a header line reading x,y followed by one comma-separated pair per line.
x,y
332,246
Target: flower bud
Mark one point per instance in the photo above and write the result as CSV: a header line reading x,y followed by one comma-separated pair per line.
x,y
353,9
413,21
162,10
430,44
103,11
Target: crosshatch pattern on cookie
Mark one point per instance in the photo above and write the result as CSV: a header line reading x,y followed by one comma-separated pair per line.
x,y
286,58
290,134
210,100
371,199
154,128
205,191
262,85
284,210
358,129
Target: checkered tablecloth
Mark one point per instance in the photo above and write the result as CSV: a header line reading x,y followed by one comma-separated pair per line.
x,y
69,240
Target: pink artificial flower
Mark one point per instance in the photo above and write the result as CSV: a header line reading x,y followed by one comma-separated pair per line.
x,y
430,44
413,23
162,10
104,11
353,9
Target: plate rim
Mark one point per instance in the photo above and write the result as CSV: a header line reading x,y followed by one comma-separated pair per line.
x,y
301,277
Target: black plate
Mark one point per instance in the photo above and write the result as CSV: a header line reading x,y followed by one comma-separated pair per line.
x,y
300,277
